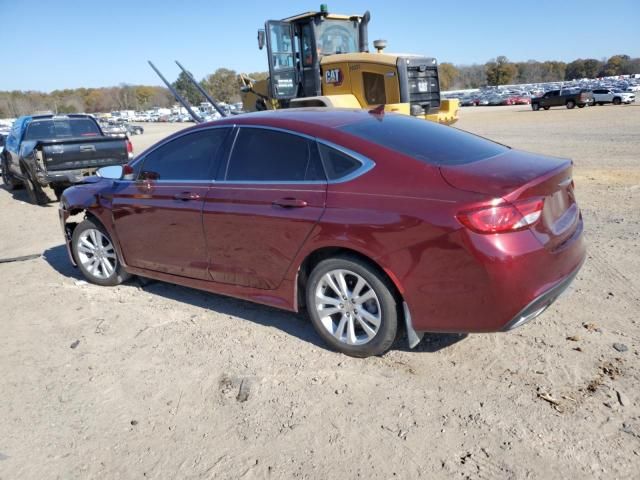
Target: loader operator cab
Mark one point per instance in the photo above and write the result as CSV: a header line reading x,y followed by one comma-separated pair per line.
x,y
295,46
322,59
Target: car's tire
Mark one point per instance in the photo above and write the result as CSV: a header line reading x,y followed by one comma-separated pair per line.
x,y
96,255
535,107
546,108
352,306
58,191
571,104
582,105
617,100
34,192
8,178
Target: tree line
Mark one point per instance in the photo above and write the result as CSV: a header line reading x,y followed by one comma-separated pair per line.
x,y
90,100
223,85
501,71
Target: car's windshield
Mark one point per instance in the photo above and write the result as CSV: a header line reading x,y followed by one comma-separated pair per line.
x,y
425,141
52,128
337,36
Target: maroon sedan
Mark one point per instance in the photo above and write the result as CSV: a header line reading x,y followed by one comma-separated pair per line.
x,y
372,222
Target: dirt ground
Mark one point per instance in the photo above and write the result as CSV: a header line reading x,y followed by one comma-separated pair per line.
x,y
159,381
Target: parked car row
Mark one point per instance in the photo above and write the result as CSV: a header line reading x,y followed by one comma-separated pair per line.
x,y
496,98
615,91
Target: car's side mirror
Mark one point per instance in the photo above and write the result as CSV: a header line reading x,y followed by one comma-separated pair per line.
x,y
113,172
116,172
261,39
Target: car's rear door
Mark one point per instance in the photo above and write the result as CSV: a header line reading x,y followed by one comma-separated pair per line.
x,y
266,201
158,216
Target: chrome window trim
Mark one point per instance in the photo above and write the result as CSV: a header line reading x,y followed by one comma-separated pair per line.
x,y
365,162
153,182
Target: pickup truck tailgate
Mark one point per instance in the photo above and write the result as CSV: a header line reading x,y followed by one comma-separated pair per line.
x,y
85,152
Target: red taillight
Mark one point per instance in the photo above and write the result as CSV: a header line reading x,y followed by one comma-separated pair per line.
x,y
507,217
129,146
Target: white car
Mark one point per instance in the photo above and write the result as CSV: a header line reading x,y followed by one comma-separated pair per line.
x,y
612,95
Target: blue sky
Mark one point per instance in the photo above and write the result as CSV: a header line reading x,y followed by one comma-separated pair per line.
x,y
50,44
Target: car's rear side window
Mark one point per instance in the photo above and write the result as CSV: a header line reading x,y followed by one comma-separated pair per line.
x,y
424,140
264,155
337,164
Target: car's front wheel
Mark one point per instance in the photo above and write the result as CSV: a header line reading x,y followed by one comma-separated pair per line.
x,y
96,256
352,306
617,101
571,104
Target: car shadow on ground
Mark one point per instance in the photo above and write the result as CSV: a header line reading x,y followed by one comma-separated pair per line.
x,y
21,195
293,324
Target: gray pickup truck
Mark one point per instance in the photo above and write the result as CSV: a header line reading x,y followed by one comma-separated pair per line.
x,y
47,153
568,97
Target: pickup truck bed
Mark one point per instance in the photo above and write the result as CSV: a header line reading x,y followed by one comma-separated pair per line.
x,y
67,161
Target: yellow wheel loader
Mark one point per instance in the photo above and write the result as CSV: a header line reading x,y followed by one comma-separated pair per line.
x,y
321,59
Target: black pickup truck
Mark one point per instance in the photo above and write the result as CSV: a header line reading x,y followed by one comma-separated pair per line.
x,y
47,153
569,98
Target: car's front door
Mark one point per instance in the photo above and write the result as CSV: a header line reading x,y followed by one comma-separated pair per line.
x,y
158,216
258,214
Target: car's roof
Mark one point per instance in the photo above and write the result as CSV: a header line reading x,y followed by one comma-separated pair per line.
x,y
315,116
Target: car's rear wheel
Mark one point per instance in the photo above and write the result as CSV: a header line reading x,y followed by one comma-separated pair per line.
x,y
96,256
582,105
7,177
35,193
352,306
571,104
546,108
617,101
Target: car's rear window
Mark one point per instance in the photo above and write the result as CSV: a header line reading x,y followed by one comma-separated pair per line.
x,y
424,140
51,128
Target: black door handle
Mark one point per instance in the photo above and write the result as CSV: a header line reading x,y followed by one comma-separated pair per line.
x,y
186,196
289,202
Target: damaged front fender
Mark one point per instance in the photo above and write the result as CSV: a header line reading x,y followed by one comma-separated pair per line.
x,y
75,200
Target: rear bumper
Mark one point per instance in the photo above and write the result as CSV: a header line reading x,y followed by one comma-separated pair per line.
x,y
486,283
65,177
540,304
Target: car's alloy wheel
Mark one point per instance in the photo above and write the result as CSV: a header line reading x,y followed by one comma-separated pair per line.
x,y
352,307
95,254
616,101
348,307
571,104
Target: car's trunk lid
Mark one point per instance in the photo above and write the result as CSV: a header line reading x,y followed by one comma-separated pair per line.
x,y
514,176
